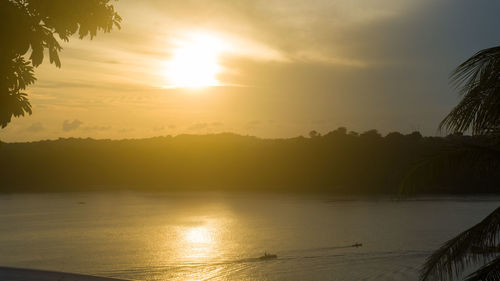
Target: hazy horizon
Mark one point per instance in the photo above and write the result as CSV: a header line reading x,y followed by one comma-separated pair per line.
x,y
306,134
271,70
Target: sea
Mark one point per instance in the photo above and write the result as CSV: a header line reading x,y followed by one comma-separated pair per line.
x,y
221,236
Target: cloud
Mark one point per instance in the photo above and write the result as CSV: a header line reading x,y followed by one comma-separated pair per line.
x,y
97,128
126,130
205,125
70,126
35,127
253,124
159,128
406,49
164,127
197,126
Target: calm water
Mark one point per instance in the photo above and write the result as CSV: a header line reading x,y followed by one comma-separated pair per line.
x,y
219,236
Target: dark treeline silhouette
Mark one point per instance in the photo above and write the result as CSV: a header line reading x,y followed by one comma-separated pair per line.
x,y
338,161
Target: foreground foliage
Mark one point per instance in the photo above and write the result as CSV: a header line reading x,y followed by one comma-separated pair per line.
x,y
478,80
31,26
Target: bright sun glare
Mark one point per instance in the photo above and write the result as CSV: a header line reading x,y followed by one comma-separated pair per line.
x,y
198,235
195,62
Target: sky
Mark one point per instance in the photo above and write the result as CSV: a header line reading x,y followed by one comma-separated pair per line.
x,y
267,68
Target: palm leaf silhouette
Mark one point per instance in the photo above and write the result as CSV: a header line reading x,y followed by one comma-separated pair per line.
x,y
489,272
455,255
471,158
478,80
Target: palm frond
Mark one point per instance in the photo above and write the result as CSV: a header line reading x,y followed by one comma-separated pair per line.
x,y
477,156
478,80
473,159
454,256
489,272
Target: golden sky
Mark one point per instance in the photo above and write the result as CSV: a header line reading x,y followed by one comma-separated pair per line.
x,y
270,68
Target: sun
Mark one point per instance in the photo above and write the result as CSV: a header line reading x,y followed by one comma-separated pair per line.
x,y
194,62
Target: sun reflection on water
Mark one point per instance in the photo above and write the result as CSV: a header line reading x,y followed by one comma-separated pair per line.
x,y
199,242
198,234
196,244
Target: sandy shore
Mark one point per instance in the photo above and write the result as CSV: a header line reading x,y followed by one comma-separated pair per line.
x,y
21,274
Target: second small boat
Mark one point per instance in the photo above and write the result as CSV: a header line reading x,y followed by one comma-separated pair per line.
x,y
268,256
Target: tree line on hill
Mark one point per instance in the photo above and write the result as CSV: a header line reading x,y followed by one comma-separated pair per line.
x,y
339,162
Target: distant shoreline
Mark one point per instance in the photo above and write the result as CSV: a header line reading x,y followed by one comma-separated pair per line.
x,y
339,163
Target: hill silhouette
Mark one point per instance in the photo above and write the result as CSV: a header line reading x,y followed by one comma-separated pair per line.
x,y
337,162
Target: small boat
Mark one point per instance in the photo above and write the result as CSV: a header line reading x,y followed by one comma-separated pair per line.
x,y
268,256
357,245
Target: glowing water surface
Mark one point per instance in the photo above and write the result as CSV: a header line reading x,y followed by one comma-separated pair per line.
x,y
218,236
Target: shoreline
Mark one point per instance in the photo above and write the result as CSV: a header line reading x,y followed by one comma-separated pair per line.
x,y
25,274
